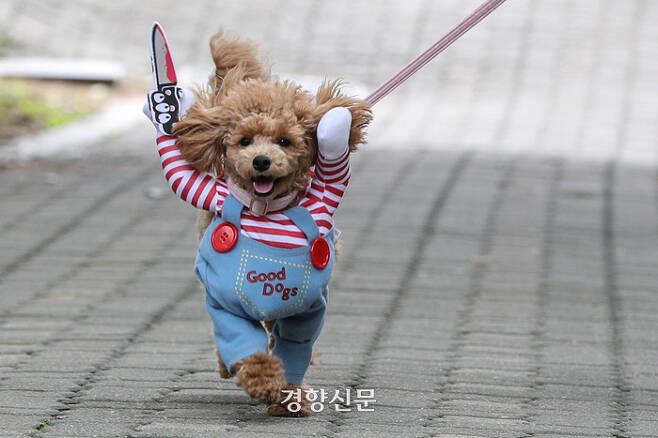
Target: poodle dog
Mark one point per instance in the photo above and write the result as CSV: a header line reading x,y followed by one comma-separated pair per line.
x,y
267,162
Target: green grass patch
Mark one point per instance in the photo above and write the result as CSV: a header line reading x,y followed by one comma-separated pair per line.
x,y
40,426
24,110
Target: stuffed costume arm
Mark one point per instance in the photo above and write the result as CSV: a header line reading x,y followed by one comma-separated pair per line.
x,y
332,170
199,189
202,190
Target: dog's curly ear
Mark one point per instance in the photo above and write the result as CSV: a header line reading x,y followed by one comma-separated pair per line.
x,y
329,96
200,136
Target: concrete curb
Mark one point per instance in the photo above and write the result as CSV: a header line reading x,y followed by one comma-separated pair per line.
x,y
94,70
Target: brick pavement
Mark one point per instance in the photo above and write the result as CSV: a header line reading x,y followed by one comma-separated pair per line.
x,y
518,299
484,289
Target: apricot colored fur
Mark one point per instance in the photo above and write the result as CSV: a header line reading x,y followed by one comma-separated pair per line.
x,y
280,408
241,100
261,376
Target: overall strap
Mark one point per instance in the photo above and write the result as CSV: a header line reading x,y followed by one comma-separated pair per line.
x,y
232,210
304,221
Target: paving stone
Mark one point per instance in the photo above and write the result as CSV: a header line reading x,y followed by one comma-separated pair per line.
x,y
99,422
19,425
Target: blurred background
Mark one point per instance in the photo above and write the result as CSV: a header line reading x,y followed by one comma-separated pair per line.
x,y
560,77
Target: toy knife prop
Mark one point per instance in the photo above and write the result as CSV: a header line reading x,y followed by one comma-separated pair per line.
x,y
164,101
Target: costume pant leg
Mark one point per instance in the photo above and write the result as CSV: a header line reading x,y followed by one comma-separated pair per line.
x,y
295,336
236,337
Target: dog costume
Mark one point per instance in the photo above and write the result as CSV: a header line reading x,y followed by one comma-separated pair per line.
x,y
248,281
262,265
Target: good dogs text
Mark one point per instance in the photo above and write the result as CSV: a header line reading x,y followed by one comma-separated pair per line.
x,y
270,283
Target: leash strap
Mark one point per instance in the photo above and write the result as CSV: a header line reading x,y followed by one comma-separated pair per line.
x,y
467,23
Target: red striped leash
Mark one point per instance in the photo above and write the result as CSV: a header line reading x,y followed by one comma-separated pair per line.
x,y
466,24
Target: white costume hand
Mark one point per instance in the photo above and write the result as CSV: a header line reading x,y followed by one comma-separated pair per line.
x,y
334,132
186,101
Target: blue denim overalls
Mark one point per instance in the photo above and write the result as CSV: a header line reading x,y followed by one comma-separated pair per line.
x,y
255,282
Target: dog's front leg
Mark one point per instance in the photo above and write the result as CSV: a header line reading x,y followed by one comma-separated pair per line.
x,y
293,402
261,376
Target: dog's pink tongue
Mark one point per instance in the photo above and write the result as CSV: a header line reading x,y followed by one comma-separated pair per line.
x,y
263,186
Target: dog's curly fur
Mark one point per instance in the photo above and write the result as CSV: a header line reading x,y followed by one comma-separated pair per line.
x,y
261,376
281,407
243,101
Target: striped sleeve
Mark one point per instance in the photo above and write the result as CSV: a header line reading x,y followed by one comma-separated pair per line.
x,y
199,189
331,179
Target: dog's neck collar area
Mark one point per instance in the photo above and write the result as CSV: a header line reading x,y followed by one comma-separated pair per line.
x,y
256,205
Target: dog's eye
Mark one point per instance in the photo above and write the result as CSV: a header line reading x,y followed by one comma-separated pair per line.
x,y
245,141
283,142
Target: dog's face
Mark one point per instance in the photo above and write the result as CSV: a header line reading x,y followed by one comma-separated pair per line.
x,y
258,133
268,149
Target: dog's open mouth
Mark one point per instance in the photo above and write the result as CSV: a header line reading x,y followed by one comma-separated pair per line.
x,y
263,185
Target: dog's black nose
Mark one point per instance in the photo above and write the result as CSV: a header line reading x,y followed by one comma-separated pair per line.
x,y
262,163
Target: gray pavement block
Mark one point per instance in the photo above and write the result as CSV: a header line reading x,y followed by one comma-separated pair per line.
x,y
498,389
480,426
584,413
153,361
112,395
29,383
98,422
366,429
186,430
642,423
544,427
19,425
504,408
126,375
419,381
65,362
31,403
390,415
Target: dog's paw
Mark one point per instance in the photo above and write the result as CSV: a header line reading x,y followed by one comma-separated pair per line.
x,y
293,402
261,376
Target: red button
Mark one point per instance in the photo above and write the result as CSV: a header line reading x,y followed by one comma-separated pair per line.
x,y
224,237
320,253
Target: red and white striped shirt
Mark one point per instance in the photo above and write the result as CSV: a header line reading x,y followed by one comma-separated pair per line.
x,y
332,175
